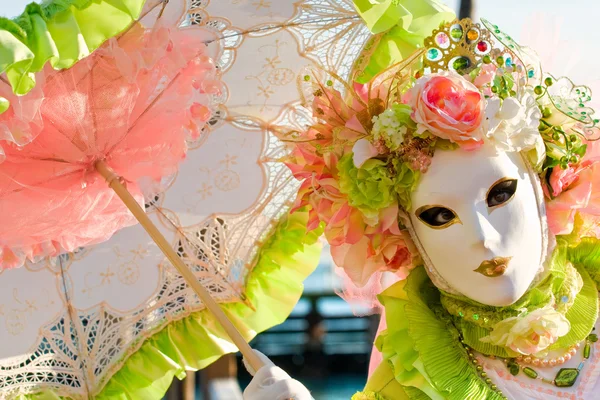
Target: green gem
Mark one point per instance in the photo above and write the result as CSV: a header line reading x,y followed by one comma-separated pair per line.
x,y
556,136
548,81
456,32
573,159
586,351
487,59
493,387
564,165
483,374
514,369
488,380
479,368
461,63
494,89
572,138
461,314
307,77
538,90
593,338
476,317
513,93
500,60
433,54
330,83
530,372
566,377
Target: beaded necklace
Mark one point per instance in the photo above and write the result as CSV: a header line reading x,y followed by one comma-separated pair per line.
x,y
565,377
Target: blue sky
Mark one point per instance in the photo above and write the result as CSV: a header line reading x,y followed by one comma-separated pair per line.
x,y
577,19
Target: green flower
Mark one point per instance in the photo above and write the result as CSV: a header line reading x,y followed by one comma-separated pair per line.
x,y
392,125
369,188
405,182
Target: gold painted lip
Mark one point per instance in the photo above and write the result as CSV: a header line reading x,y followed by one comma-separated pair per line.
x,y
493,268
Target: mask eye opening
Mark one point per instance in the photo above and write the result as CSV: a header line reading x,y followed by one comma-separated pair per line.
x,y
501,192
437,216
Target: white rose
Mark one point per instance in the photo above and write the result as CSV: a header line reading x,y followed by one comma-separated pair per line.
x,y
513,123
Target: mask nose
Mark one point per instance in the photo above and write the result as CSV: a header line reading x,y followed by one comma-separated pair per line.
x,y
487,235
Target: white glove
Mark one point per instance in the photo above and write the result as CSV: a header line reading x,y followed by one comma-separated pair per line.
x,y
273,383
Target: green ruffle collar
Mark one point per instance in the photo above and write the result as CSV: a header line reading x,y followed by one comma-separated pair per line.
x,y
273,288
422,342
60,32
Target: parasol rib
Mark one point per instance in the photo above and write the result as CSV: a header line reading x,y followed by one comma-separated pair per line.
x,y
137,211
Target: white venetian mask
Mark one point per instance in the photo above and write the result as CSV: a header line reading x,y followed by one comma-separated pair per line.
x,y
479,220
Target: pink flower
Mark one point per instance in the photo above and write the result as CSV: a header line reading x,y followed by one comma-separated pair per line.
x,y
575,189
342,127
486,75
449,107
374,253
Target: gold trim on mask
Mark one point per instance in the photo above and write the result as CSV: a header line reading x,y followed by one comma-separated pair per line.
x,y
455,220
492,208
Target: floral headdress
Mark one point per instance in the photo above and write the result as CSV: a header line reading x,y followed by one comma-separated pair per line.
x,y
470,84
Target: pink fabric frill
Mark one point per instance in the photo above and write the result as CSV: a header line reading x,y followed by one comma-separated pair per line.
x,y
132,104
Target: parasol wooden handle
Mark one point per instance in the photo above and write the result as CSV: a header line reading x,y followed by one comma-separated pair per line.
x,y
114,182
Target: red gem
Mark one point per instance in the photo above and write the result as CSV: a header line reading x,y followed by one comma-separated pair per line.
x,y
482,47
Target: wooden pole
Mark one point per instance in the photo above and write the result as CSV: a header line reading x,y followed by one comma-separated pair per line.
x,y
189,386
115,184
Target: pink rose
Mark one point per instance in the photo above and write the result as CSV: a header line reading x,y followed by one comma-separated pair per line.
x,y
486,75
449,107
561,179
573,190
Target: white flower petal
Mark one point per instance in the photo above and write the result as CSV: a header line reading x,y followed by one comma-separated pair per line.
x,y
511,107
362,151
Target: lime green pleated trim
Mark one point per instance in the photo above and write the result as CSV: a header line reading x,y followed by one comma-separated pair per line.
x,y
401,26
423,347
587,253
60,32
273,287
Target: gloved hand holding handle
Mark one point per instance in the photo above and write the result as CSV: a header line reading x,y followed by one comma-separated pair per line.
x,y
272,383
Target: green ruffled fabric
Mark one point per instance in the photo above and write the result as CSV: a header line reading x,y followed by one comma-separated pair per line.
x,y
61,32
587,253
273,288
401,26
423,346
